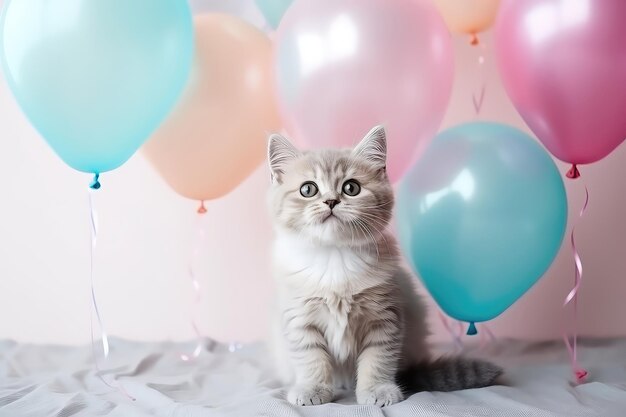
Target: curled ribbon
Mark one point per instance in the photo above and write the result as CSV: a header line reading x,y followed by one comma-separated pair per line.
x,y
455,336
579,372
93,217
200,238
93,220
485,330
479,97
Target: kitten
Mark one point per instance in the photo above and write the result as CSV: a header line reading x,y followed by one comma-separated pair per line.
x,y
347,311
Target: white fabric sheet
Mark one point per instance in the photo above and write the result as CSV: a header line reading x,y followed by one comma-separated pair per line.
x,y
42,381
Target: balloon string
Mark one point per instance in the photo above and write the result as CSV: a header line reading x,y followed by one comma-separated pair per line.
x,y
478,97
579,372
484,334
200,238
93,217
455,336
460,330
492,336
94,243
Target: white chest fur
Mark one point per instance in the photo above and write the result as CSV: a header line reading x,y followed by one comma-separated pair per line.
x,y
321,271
330,275
337,331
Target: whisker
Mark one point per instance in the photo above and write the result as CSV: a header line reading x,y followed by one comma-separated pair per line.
x,y
371,236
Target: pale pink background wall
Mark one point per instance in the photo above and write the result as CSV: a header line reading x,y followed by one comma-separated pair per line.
x,y
146,233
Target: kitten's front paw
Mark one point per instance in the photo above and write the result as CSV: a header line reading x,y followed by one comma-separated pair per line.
x,y
310,394
380,395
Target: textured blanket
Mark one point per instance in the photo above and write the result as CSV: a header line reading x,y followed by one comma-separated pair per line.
x,y
42,381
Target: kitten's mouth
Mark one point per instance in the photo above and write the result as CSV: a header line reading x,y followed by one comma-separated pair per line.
x,y
330,216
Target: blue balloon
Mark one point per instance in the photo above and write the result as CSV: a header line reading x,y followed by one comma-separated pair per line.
x,y
96,77
481,217
273,10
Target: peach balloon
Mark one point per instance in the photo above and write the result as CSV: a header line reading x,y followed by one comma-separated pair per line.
x,y
216,136
468,16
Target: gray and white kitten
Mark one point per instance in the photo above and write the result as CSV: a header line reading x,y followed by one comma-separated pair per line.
x,y
348,314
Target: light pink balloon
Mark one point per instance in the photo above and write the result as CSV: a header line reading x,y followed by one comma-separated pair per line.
x,y
564,66
343,67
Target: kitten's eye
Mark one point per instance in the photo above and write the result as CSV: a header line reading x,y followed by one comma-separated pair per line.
x,y
351,188
308,189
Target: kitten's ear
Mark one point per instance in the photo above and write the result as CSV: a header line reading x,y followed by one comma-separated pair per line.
x,y
373,147
279,153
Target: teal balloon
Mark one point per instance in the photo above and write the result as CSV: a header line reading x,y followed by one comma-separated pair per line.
x,y
481,217
273,10
96,77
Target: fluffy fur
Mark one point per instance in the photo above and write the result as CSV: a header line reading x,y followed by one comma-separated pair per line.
x,y
348,315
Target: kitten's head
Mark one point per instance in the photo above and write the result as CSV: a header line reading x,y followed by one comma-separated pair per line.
x,y
338,197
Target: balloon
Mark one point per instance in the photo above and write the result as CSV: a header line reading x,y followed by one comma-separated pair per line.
x,y
468,16
96,77
244,9
563,64
345,66
273,10
481,217
217,134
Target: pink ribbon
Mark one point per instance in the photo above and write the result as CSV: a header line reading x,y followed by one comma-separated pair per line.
x,y
479,97
579,372
200,239
93,216
485,330
455,336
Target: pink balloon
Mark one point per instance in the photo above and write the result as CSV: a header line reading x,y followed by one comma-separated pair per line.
x,y
343,67
564,66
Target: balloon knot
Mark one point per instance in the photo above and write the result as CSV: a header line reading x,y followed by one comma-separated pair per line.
x,y
95,183
474,40
472,331
201,209
573,172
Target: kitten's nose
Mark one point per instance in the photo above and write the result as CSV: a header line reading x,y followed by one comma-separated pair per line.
x,y
331,203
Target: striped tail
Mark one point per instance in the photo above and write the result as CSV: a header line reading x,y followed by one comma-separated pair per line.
x,y
449,374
